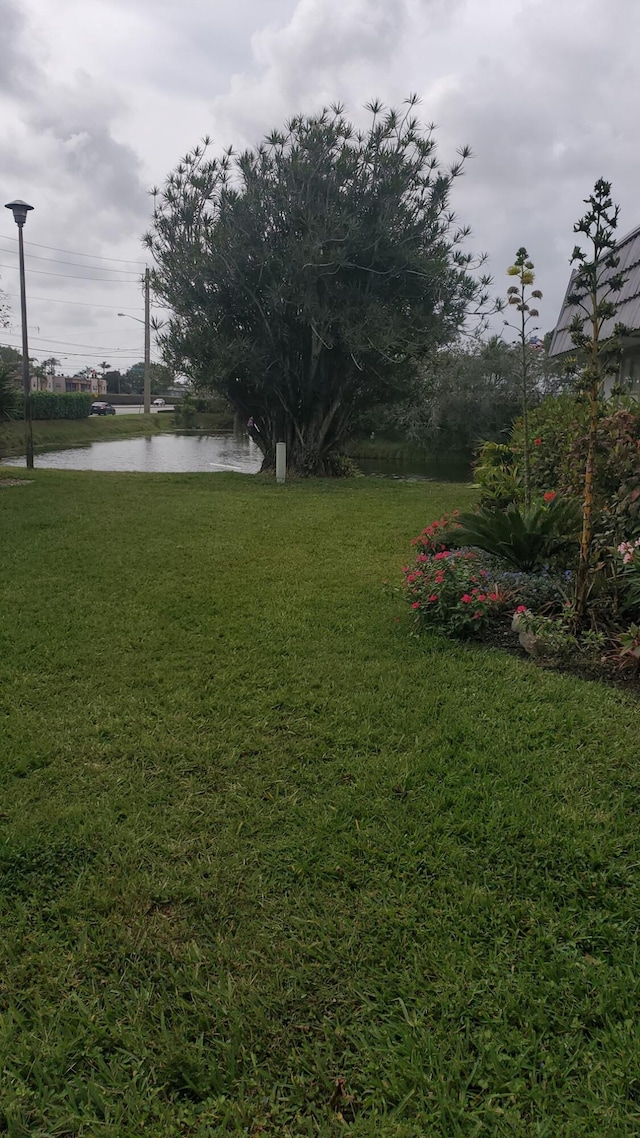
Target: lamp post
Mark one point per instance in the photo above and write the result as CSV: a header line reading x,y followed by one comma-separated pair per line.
x,y
147,342
20,210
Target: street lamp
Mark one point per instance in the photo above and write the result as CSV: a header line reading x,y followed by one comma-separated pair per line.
x,y
147,341
20,210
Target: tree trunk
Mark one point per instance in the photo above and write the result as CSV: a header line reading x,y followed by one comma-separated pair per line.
x,y
311,446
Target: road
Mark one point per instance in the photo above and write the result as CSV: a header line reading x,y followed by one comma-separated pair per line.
x,y
137,410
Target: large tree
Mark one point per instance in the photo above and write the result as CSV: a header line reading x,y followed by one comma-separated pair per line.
x,y
309,276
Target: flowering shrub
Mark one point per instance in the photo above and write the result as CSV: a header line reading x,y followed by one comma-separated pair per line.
x,y
629,551
450,592
430,540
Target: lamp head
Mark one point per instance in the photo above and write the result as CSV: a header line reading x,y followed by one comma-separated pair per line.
x,y
20,210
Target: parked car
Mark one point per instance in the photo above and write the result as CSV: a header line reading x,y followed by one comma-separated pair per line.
x,y
101,408
158,403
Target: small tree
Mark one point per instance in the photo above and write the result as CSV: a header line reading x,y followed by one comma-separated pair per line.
x,y
595,285
519,296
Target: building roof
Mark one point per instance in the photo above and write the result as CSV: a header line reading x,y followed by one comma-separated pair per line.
x,y
628,299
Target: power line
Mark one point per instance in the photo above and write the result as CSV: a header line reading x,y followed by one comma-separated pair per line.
x,y
76,344
74,276
95,256
56,261
83,303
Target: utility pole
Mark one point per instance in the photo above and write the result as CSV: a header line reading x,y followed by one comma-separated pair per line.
x,y
147,344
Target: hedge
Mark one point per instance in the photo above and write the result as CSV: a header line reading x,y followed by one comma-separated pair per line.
x,y
54,405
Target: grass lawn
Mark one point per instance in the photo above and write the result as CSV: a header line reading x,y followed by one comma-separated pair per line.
x,y
48,433
257,840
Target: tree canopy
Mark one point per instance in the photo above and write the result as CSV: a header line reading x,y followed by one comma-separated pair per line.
x,y
308,277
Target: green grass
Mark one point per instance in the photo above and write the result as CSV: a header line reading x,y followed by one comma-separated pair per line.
x,y
256,839
48,433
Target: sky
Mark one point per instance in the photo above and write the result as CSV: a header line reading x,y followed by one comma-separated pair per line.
x,y
99,100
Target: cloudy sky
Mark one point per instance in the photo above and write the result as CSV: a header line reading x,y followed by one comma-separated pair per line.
x,y
100,98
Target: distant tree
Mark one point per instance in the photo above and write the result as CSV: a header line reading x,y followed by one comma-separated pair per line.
x,y
520,296
308,277
464,395
13,360
161,378
596,283
4,310
114,380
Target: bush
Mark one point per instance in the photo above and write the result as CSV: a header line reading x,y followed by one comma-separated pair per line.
x,y
558,437
58,405
9,395
544,591
449,592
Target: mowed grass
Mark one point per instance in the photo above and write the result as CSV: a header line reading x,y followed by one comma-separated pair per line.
x,y
257,840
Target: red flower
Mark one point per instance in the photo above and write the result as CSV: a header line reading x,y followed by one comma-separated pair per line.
x,y
416,605
439,578
441,556
521,608
492,596
433,597
549,496
466,599
537,442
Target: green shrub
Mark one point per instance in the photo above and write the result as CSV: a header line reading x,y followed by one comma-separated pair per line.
x,y
59,405
523,538
498,474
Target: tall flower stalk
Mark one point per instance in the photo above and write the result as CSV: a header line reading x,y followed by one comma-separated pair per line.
x,y
519,297
594,289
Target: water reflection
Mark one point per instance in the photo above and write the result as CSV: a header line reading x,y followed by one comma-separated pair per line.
x,y
176,454
171,454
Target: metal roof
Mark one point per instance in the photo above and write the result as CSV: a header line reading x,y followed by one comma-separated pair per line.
x,y
628,299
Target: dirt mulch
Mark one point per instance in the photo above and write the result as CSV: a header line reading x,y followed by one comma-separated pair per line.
x,y
601,670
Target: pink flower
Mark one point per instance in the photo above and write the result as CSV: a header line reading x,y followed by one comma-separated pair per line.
x,y
549,496
482,597
466,599
439,578
492,596
476,616
521,608
416,605
441,556
411,578
433,597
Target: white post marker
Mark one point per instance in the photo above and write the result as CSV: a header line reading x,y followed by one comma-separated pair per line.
x,y
281,462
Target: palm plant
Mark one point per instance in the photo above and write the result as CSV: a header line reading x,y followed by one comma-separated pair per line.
x,y
524,538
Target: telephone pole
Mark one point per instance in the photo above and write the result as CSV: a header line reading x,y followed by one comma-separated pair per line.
x,y
147,344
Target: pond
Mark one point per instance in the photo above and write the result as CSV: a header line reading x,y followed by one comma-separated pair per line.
x,y
180,453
